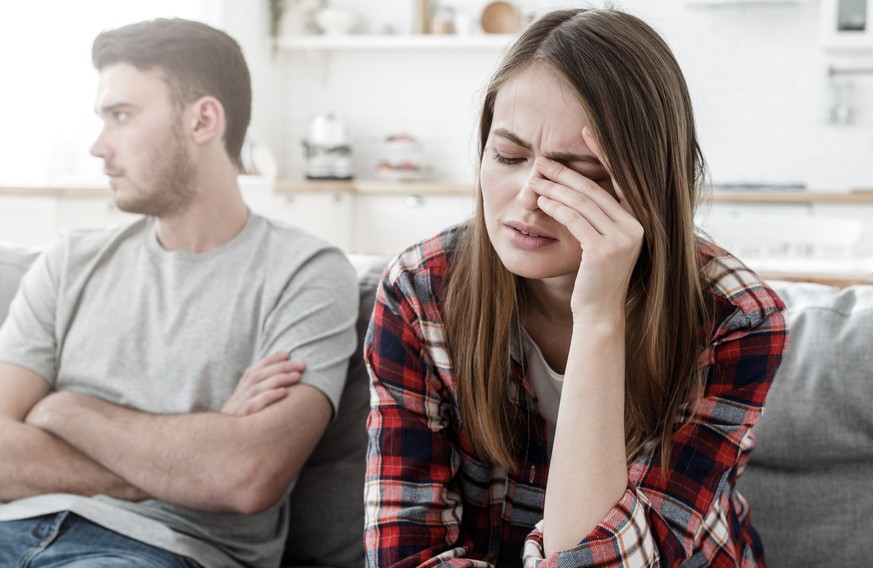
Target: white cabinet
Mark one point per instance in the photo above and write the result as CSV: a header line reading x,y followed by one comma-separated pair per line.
x,y
386,224
862,212
740,227
327,215
81,212
29,220
746,223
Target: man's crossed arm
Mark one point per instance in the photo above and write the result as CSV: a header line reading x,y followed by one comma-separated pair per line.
x,y
240,460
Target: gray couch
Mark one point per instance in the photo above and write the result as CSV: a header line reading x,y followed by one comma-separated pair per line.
x,y
809,483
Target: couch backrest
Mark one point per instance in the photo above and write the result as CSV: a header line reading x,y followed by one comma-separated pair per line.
x,y
327,503
810,481
14,262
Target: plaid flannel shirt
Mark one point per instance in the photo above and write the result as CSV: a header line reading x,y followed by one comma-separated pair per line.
x,y
431,501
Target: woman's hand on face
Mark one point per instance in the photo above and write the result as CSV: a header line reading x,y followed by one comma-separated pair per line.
x,y
609,234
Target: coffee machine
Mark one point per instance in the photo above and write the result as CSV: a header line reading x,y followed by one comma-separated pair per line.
x,y
327,149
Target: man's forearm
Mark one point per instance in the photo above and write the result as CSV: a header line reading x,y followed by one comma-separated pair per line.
x,y
206,461
35,462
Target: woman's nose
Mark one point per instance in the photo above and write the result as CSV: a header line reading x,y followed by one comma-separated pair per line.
x,y
527,197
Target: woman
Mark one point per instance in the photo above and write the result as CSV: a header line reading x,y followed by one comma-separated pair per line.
x,y
572,374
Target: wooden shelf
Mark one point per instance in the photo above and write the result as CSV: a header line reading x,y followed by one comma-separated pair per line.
x,y
394,42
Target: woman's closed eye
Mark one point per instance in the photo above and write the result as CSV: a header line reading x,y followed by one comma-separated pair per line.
x,y
507,160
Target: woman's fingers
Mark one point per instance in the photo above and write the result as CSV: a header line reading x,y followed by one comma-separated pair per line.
x,y
594,216
580,185
573,202
594,146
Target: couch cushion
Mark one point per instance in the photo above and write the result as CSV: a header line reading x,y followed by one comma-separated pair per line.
x,y
809,480
14,262
327,504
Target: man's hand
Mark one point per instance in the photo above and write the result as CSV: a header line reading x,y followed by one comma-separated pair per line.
x,y
42,413
264,383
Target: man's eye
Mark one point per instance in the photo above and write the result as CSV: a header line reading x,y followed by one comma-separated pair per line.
x,y
500,159
120,116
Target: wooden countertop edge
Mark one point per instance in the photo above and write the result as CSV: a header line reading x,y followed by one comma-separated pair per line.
x,y
57,191
837,280
373,187
377,187
864,196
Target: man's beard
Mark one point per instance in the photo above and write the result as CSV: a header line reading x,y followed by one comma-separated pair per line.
x,y
169,177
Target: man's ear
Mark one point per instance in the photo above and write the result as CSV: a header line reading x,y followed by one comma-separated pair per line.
x,y
207,119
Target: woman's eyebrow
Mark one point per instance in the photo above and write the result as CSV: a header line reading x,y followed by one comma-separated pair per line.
x,y
563,157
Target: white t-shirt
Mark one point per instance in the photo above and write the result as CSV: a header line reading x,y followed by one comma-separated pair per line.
x,y
546,383
113,314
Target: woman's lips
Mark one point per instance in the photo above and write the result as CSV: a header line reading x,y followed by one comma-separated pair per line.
x,y
527,238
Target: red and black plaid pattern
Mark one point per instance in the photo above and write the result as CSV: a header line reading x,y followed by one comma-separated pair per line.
x,y
432,502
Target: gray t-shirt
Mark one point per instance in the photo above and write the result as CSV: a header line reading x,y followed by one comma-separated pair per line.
x,y
112,314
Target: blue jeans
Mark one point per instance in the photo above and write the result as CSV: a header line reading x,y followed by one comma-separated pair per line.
x,y
66,539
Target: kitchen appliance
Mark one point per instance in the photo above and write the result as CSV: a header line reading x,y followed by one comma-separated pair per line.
x,y
327,149
402,159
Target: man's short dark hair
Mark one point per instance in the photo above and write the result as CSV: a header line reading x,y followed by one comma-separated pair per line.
x,y
195,59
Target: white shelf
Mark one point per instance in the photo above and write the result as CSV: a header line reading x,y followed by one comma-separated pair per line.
x,y
717,3
345,42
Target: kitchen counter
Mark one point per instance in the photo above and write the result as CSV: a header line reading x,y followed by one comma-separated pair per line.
x,y
752,196
380,216
55,191
287,186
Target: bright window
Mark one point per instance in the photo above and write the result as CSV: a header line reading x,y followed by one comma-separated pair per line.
x,y
48,86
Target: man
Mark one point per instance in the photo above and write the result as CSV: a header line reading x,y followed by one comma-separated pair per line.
x,y
150,412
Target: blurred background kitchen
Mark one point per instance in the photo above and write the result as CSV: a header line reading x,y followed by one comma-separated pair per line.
x,y
364,116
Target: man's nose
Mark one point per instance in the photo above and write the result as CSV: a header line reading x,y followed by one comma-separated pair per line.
x,y
100,148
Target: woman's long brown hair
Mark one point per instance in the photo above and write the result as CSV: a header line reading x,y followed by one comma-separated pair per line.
x,y
635,96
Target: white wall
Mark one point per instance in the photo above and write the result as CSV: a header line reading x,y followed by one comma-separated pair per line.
x,y
247,21
757,75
